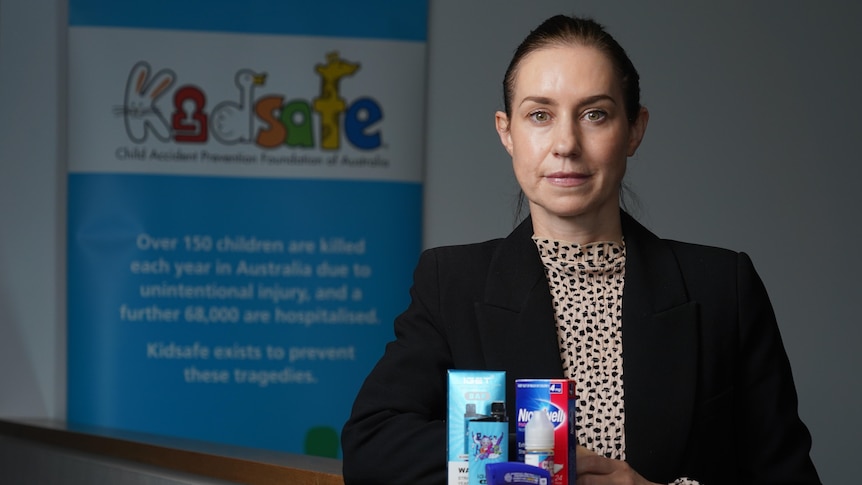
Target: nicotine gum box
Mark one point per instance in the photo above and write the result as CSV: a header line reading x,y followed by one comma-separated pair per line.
x,y
557,397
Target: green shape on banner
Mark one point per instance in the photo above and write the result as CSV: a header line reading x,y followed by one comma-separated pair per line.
x,y
322,441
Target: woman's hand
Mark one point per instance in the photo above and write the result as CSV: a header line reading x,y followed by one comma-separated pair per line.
x,y
594,469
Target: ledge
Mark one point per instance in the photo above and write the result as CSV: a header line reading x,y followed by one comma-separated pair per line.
x,y
225,462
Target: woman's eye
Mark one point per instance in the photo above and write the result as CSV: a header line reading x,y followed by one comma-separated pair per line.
x,y
540,116
595,115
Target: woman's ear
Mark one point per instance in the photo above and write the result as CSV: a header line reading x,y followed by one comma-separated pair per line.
x,y
637,130
502,124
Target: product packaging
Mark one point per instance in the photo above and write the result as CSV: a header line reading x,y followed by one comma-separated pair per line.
x,y
556,397
470,397
514,473
488,442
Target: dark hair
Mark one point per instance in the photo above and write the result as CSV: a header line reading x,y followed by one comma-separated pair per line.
x,y
562,30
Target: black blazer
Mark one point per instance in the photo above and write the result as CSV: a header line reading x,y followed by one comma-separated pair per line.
x,y
708,389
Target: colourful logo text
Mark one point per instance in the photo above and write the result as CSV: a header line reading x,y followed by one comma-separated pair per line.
x,y
268,121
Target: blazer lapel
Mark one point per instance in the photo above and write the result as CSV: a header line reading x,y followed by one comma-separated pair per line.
x,y
660,347
516,320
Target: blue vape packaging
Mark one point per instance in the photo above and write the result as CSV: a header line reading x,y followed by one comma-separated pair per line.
x,y
470,395
516,473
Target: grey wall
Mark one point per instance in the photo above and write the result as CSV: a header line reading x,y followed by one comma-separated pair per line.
x,y
755,117
32,214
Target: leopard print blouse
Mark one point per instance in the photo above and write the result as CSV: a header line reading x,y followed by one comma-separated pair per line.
x,y
586,283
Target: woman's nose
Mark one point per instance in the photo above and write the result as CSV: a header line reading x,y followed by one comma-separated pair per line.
x,y
567,143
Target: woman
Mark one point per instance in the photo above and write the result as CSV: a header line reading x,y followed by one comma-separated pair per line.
x,y
681,373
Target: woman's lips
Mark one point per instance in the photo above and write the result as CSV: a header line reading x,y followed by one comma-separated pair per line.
x,y
567,179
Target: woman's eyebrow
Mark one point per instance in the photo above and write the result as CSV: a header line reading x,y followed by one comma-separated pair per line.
x,y
538,100
583,102
596,98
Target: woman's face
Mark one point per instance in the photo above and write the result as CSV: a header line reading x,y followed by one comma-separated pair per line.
x,y
569,139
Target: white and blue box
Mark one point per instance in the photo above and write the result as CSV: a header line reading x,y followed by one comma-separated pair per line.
x,y
470,394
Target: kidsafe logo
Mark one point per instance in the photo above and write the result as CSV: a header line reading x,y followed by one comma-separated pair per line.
x,y
268,121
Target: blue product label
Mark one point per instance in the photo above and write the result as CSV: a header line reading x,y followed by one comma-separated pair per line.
x,y
488,442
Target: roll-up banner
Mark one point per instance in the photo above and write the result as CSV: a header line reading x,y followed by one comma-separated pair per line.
x,y
244,211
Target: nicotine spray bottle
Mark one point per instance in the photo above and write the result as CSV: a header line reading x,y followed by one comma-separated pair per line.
x,y
489,442
539,441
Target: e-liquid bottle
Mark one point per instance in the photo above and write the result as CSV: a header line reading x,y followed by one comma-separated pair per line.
x,y
539,441
489,442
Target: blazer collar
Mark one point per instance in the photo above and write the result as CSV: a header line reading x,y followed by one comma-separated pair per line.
x,y
518,333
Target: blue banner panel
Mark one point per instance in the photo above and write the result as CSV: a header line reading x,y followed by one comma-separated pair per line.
x,y
378,19
232,310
